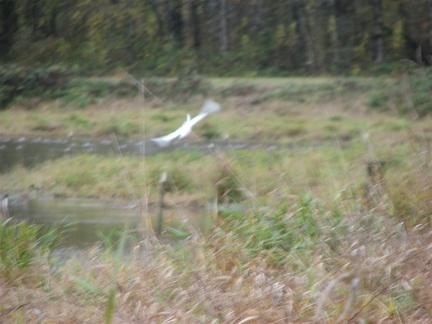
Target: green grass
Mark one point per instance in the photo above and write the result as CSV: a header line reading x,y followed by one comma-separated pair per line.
x,y
301,234
264,101
23,247
305,222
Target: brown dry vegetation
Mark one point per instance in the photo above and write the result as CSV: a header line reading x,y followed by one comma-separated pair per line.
x,y
383,277
325,244
323,236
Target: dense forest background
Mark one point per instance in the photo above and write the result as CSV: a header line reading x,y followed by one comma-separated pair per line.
x,y
218,37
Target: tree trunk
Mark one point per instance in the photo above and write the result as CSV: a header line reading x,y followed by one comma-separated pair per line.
x,y
223,29
379,31
9,25
195,22
334,37
175,21
158,15
35,16
259,13
306,35
430,24
130,33
53,22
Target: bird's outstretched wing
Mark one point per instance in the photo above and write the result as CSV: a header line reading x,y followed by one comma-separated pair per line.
x,y
185,129
191,123
210,107
166,140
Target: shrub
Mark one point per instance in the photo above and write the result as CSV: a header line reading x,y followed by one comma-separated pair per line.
x,y
239,89
57,82
84,92
21,244
177,179
419,93
410,94
16,81
210,131
189,84
282,228
227,184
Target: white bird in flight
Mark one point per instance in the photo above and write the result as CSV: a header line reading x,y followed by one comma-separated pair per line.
x,y
184,130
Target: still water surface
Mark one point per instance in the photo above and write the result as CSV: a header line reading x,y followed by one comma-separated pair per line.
x,y
31,151
86,219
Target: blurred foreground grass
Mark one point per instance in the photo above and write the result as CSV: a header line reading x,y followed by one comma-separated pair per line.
x,y
338,228
315,236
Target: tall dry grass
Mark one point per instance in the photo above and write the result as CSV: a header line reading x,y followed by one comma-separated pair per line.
x,y
315,237
314,247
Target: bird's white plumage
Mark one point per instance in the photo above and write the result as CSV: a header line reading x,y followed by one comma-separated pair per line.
x,y
210,107
185,129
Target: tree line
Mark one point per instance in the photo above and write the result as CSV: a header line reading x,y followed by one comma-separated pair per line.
x,y
218,37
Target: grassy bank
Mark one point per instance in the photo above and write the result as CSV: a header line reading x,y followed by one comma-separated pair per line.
x,y
318,237
274,109
316,244
335,229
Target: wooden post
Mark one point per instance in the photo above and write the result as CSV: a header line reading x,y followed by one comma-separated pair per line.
x,y
375,185
4,206
162,190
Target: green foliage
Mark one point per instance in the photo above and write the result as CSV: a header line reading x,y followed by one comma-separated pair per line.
x,y
18,81
21,245
210,131
288,227
84,92
386,68
110,306
176,233
159,117
239,89
157,39
84,174
189,84
116,238
57,82
304,92
378,101
79,179
78,120
397,36
411,197
227,184
178,180
124,128
410,95
420,89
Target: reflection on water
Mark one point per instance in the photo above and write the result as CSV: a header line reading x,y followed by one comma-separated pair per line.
x,y
31,151
86,219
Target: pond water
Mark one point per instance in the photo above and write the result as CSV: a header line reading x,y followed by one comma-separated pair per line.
x,y
86,219
31,151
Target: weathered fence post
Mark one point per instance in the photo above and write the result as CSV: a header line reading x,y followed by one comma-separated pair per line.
x,y
4,206
162,190
375,183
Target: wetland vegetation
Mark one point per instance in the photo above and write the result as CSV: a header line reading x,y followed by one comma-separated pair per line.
x,y
314,229
323,217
